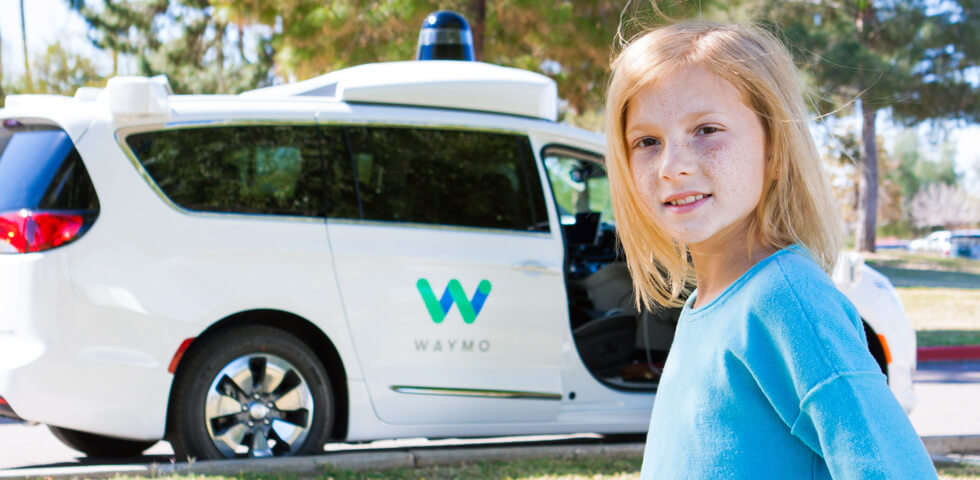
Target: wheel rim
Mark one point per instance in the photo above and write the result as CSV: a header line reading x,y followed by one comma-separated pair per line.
x,y
258,406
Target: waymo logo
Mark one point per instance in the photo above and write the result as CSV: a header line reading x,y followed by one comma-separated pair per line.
x,y
468,308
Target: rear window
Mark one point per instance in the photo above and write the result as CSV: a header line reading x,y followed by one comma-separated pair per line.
x,y
40,169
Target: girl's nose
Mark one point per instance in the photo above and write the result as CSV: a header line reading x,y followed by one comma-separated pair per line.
x,y
677,160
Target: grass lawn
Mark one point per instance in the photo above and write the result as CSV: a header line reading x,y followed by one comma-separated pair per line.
x,y
943,316
599,468
941,295
595,468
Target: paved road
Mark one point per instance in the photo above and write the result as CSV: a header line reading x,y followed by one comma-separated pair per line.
x,y
948,393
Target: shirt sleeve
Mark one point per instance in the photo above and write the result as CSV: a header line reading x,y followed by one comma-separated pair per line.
x,y
809,357
855,423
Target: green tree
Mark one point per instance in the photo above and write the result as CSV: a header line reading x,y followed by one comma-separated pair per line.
x,y
571,41
916,169
187,40
57,71
911,56
60,72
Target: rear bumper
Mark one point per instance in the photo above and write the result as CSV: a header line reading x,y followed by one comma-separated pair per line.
x,y
66,363
900,381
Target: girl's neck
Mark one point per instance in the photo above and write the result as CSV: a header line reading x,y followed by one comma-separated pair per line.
x,y
718,262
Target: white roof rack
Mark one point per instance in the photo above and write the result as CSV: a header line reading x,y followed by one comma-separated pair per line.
x,y
433,83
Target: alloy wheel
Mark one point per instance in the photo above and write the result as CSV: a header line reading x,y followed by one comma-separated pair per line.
x,y
258,405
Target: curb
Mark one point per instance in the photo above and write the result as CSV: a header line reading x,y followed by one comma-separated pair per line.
x,y
948,354
946,444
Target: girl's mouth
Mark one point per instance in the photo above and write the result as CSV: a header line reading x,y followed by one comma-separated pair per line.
x,y
687,203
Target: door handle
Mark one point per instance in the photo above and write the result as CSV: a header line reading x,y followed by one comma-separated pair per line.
x,y
532,267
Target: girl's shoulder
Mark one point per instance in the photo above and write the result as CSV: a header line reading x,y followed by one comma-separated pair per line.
x,y
794,315
792,276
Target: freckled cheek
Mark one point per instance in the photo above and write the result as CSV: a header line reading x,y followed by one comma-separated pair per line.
x,y
645,180
731,169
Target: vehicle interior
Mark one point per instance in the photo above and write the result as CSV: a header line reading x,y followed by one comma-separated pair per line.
x,y
623,347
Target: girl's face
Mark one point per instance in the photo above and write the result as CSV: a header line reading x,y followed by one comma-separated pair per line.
x,y
697,156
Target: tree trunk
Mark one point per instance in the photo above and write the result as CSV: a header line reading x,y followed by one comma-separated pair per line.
x,y
868,183
2,94
27,63
478,25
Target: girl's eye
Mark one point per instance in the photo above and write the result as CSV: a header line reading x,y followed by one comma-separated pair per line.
x,y
646,142
707,130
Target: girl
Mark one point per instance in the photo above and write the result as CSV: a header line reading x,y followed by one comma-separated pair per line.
x,y
716,180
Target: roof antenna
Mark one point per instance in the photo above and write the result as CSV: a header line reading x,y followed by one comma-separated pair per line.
x,y
445,35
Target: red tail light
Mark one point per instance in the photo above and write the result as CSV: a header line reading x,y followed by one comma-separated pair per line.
x,y
27,231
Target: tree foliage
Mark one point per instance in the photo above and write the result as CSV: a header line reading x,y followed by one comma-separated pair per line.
x,y
57,71
910,56
570,41
60,72
942,205
199,50
917,167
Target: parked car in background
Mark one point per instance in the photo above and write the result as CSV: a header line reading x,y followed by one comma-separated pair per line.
x,y
406,249
936,242
964,243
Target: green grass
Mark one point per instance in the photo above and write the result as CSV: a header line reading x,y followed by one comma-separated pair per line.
x,y
941,295
959,472
921,261
599,468
942,316
946,338
595,468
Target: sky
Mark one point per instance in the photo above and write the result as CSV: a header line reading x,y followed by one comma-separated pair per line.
x,y
49,21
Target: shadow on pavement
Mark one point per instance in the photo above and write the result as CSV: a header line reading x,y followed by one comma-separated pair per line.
x,y
88,462
381,446
916,277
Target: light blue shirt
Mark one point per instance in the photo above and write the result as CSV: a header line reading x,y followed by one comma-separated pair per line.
x,y
773,379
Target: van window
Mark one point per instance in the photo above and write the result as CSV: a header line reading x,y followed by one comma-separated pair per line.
x,y
448,177
579,183
271,169
40,169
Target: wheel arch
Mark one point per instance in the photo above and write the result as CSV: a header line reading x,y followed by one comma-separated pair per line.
x,y
302,329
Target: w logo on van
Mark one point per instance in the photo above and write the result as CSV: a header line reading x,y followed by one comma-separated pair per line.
x,y
469,308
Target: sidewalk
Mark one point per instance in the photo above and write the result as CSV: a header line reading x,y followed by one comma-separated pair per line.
x,y
947,398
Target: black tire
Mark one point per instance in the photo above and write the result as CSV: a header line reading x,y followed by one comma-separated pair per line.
x,y
100,446
263,349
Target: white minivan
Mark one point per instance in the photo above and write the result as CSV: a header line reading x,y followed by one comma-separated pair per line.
x,y
405,249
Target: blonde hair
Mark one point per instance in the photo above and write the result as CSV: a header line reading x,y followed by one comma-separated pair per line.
x,y
796,207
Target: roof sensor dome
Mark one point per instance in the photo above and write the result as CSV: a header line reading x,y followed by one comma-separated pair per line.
x,y
445,35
